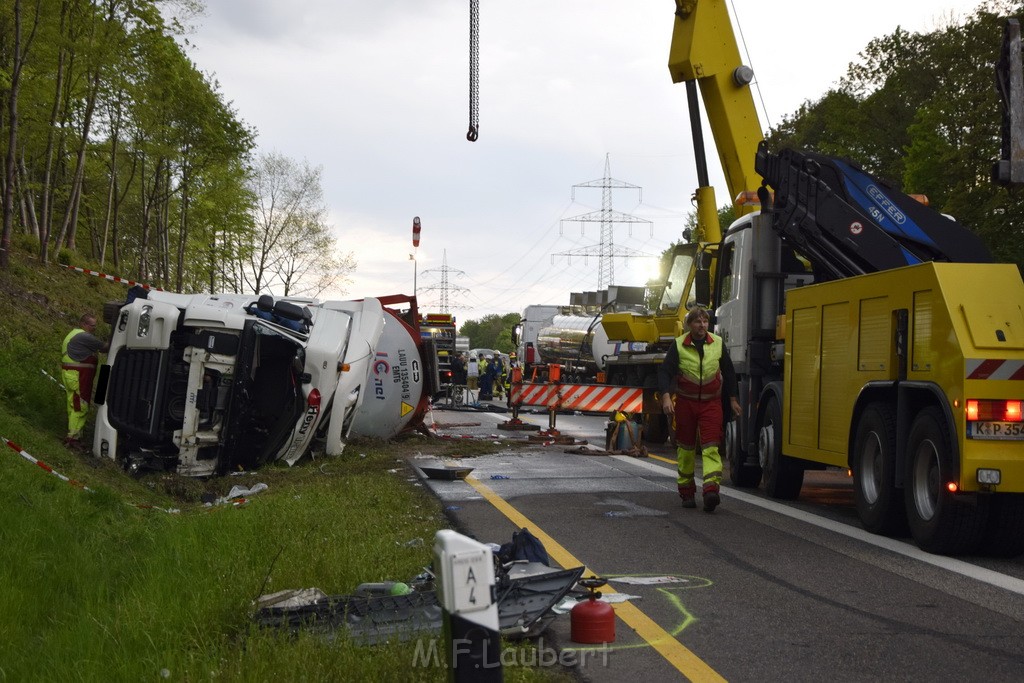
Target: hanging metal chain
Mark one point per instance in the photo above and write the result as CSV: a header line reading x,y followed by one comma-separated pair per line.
x,y
474,71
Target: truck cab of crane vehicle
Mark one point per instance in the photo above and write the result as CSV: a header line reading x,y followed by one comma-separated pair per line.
x,y
754,269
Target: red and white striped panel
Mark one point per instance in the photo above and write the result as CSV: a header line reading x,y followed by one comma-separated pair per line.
x,y
533,394
601,398
596,398
991,368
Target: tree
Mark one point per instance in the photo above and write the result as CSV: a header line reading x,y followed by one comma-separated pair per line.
x,y
294,250
491,332
921,111
18,50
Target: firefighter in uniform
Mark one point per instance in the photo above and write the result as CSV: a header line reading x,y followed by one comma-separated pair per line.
x,y
698,370
78,370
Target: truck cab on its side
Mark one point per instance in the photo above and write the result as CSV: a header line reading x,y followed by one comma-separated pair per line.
x,y
204,384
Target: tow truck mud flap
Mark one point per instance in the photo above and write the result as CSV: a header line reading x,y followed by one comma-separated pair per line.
x,y
524,610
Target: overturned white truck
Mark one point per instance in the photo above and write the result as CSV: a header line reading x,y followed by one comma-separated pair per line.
x,y
206,384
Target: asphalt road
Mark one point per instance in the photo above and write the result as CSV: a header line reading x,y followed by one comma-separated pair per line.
x,y
758,590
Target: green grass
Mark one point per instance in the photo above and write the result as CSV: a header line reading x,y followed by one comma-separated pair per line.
x,y
103,585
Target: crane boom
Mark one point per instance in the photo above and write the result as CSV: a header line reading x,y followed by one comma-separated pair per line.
x,y
704,51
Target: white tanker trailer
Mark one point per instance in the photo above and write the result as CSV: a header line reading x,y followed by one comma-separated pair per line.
x,y
578,343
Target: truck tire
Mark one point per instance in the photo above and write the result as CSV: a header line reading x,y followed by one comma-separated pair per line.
x,y
1004,530
110,311
938,521
783,476
742,473
879,502
655,429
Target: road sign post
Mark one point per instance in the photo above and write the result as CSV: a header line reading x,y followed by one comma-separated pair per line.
x,y
465,572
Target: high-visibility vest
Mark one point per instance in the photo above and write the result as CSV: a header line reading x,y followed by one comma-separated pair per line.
x,y
69,363
86,369
698,377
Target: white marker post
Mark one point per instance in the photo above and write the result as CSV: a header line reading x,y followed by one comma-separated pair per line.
x,y
465,572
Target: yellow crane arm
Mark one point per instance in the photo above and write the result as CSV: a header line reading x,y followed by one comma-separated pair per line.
x,y
704,51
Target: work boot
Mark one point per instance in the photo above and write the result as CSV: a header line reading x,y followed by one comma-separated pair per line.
x,y
688,494
711,497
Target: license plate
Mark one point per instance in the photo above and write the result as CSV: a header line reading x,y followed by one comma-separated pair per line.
x,y
995,430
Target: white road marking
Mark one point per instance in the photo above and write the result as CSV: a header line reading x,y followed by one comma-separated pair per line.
x,y
981,574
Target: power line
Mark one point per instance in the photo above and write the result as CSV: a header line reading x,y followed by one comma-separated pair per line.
x,y
606,251
445,286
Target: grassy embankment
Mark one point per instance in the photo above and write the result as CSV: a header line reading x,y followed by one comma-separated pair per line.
x,y
96,587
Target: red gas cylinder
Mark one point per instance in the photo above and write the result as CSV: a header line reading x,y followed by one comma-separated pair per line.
x,y
593,621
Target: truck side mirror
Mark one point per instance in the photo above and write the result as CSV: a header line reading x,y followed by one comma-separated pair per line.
x,y
702,285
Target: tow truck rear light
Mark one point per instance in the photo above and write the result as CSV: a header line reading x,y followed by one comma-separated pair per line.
x,y
314,399
988,410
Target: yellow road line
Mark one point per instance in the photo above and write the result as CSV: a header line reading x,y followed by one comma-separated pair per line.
x,y
658,457
678,655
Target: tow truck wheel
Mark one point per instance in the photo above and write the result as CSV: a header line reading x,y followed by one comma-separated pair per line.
x,y
879,502
655,429
938,521
783,477
741,473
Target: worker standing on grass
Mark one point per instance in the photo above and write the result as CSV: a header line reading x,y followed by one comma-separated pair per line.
x,y
698,370
78,370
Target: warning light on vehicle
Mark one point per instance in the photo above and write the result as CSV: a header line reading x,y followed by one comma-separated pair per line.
x,y
314,399
952,487
994,410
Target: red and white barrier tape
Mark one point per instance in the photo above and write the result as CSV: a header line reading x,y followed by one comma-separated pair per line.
x,y
54,379
112,278
35,461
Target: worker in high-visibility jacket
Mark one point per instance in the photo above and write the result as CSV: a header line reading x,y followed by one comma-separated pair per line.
x,y
78,370
698,371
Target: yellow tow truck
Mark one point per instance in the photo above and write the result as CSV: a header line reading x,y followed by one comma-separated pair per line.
x,y
868,331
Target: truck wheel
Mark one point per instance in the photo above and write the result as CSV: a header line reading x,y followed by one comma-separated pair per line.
x,y
655,429
110,311
879,502
782,475
1004,531
938,521
742,473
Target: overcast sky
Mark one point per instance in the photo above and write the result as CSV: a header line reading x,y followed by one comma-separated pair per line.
x,y
376,93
